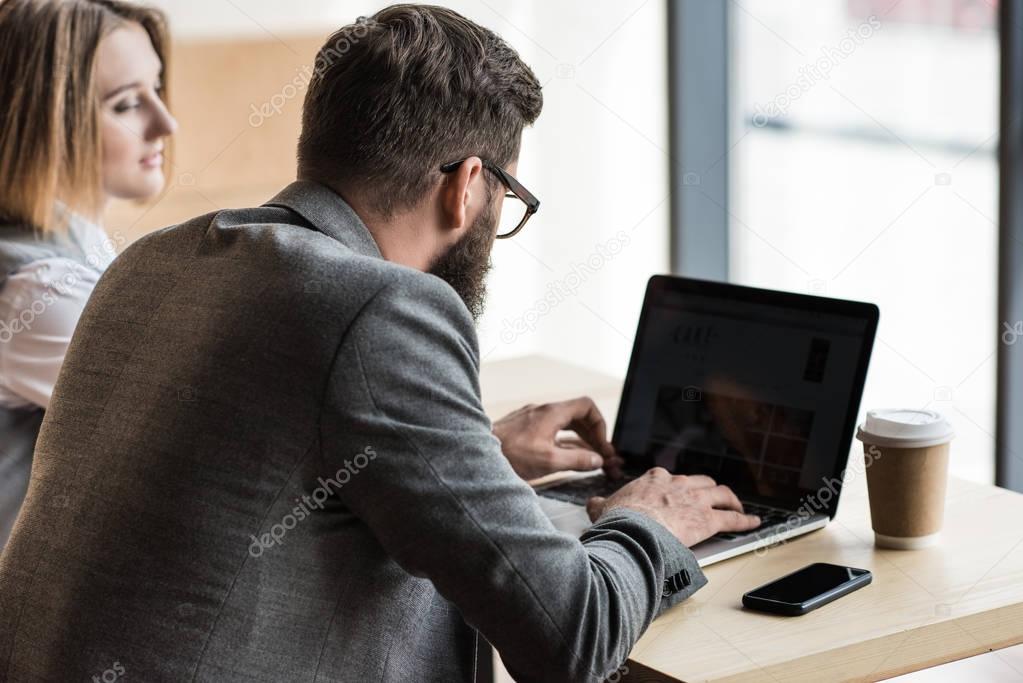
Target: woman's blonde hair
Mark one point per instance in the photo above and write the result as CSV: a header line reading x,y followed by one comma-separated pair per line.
x,y
50,147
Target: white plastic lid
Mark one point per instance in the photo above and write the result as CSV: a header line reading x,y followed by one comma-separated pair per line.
x,y
905,428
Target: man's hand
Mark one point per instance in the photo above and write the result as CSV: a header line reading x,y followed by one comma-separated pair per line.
x,y
529,439
693,507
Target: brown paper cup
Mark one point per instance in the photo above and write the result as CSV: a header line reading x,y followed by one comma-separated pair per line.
x,y
906,487
905,454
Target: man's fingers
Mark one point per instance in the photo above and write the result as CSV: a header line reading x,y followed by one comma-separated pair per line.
x,y
730,520
720,497
582,416
595,506
581,412
612,460
698,481
658,473
571,442
579,459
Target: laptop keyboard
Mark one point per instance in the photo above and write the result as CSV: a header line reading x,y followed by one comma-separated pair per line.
x,y
578,491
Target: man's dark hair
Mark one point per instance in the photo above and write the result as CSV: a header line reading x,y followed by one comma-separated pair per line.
x,y
394,96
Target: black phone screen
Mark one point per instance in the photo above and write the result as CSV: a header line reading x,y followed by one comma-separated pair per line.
x,y
807,583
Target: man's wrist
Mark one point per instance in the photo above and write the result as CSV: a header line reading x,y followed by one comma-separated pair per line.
x,y
681,573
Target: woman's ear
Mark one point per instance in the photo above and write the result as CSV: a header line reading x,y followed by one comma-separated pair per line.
x,y
458,191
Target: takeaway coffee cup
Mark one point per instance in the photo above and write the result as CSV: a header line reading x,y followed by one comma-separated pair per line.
x,y
906,457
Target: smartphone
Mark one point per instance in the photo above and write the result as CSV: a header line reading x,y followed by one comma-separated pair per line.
x,y
807,589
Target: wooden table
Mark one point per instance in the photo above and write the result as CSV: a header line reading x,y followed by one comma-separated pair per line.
x,y
925,607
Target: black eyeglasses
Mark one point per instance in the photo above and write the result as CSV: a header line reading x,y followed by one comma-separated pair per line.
x,y
511,220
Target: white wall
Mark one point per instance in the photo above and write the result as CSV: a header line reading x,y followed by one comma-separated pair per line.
x,y
596,159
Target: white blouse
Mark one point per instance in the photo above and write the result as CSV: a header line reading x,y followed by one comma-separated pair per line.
x,y
39,308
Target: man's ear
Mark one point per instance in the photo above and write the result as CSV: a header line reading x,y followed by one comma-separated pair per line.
x,y
459,190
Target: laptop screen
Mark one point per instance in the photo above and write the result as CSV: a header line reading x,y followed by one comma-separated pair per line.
x,y
759,391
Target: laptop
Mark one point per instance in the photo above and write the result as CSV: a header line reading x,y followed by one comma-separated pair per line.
x,y
758,389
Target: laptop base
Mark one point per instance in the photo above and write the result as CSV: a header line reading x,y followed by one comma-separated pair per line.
x,y
572,519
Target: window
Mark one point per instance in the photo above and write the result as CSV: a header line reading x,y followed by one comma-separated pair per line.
x,y
864,167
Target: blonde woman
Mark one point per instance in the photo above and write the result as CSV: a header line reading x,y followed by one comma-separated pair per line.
x,y
83,121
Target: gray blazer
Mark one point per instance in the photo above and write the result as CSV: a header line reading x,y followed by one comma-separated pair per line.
x,y
266,459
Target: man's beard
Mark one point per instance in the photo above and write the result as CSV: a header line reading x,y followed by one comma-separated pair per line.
x,y
466,263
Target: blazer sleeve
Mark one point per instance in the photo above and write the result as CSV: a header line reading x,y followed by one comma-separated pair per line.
x,y
443,500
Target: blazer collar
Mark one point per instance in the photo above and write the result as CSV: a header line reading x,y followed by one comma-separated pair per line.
x,y
328,213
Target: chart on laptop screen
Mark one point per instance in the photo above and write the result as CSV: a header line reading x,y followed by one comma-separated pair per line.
x,y
751,394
